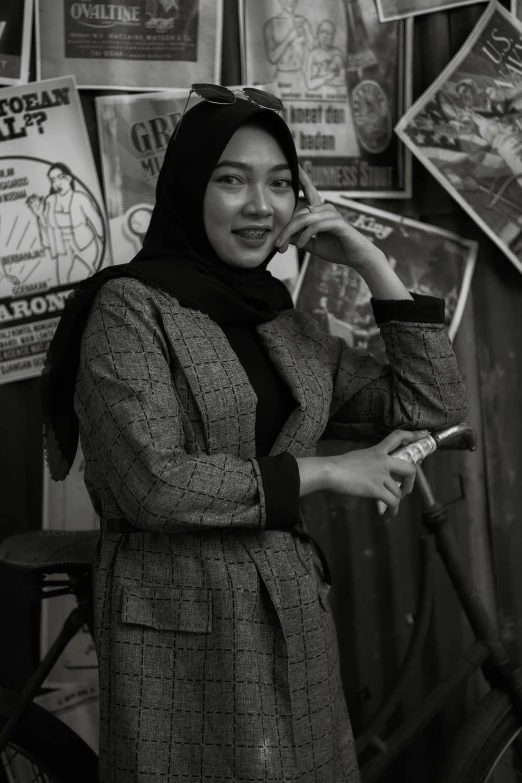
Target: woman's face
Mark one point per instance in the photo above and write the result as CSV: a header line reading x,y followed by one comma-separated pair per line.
x,y
249,198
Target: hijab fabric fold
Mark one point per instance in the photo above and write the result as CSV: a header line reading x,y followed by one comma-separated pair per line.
x,y
176,258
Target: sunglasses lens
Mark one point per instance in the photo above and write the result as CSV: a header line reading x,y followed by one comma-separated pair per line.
x,y
214,93
263,98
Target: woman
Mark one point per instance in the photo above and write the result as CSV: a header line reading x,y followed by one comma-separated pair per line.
x,y
201,394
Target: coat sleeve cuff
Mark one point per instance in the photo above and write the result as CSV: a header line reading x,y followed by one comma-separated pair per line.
x,y
423,309
281,484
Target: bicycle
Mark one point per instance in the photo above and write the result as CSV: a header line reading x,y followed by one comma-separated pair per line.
x,y
34,740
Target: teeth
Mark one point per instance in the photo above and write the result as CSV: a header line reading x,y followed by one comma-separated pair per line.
x,y
251,233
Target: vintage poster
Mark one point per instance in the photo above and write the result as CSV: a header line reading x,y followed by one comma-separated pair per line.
x,y
67,507
132,44
467,129
344,78
134,131
427,259
389,10
53,230
16,20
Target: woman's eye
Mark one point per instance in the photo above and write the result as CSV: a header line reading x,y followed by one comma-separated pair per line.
x,y
229,179
282,184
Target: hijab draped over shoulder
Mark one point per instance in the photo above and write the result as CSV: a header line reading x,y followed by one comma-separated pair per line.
x,y
176,257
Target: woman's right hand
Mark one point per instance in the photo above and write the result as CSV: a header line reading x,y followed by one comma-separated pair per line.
x,y
373,473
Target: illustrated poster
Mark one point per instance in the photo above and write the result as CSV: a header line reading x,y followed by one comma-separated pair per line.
x,y
427,259
53,230
344,78
467,128
389,10
15,40
132,44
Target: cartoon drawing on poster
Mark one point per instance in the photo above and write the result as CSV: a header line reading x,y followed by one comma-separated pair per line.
x,y
16,20
344,79
53,230
427,259
70,225
399,9
108,44
467,128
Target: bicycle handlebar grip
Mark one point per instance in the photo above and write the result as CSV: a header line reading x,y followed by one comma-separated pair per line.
x,y
416,451
460,436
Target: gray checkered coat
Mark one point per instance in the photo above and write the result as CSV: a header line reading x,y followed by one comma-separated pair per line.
x,y
217,649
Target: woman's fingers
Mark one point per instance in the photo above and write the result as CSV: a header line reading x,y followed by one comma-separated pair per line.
x,y
400,437
408,483
309,189
304,219
401,468
392,486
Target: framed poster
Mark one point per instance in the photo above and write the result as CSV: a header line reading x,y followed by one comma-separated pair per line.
x,y
53,230
389,10
427,259
130,45
345,80
467,129
16,20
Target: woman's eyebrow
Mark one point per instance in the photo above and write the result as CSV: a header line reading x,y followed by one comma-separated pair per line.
x,y
246,166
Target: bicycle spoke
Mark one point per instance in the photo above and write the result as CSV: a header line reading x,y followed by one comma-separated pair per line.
x,y
508,768
18,768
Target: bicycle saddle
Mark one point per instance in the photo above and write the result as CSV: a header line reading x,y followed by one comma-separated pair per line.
x,y
50,550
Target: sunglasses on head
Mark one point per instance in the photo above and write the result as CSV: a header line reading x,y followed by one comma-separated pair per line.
x,y
215,93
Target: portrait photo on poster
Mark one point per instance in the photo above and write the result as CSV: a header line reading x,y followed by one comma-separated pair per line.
x,y
466,129
16,25
427,259
131,45
345,80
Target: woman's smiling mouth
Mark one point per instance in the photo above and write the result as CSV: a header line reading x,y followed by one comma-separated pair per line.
x,y
252,234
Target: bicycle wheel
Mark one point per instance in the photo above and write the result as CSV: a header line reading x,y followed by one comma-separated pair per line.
x,y
43,749
489,747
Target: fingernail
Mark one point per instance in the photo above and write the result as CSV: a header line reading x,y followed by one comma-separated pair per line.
x,y
277,242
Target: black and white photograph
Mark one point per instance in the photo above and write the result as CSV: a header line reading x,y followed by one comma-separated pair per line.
x,y
260,373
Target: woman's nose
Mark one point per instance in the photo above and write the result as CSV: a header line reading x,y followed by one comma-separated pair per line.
x,y
258,203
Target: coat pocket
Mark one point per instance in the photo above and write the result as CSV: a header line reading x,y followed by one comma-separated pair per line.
x,y
168,608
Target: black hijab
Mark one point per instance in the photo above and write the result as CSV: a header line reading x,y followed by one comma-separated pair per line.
x,y
176,257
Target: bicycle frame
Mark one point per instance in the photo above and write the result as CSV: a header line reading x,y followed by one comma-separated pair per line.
x,y
81,615
487,651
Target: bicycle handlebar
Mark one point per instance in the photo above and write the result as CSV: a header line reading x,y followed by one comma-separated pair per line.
x,y
459,436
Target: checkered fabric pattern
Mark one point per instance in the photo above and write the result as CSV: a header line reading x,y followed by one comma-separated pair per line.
x,y
217,649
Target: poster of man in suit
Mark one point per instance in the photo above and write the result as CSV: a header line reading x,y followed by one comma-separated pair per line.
x,y
344,78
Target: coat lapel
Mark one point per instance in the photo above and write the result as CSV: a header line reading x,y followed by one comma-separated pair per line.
x,y
308,380
226,400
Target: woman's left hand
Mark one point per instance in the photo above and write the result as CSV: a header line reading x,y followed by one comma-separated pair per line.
x,y
324,232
